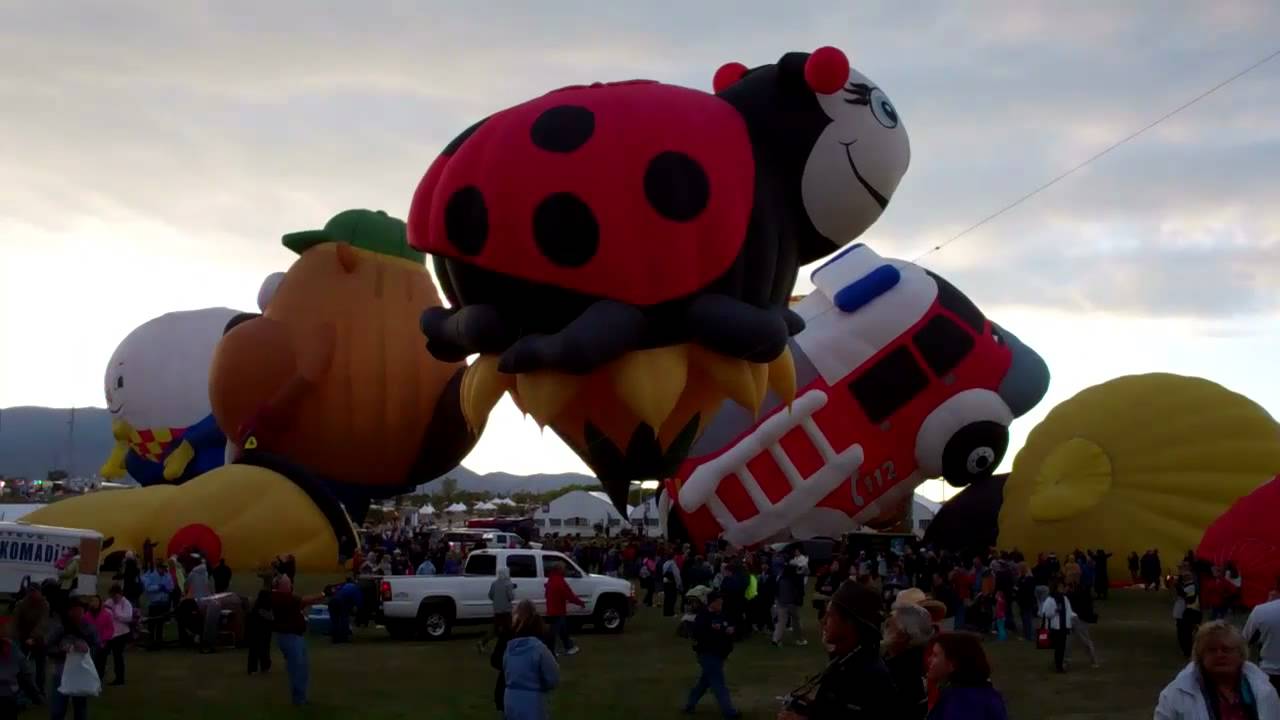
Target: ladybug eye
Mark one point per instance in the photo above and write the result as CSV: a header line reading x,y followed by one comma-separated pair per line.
x,y
884,111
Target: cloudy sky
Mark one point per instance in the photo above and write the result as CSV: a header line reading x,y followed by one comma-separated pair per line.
x,y
154,153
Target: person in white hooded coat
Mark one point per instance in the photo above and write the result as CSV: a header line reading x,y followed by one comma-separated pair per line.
x,y
1219,682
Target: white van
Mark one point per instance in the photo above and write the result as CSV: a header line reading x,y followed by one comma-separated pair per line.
x,y
31,554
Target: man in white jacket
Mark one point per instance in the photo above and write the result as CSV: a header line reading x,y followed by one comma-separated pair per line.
x,y
1263,629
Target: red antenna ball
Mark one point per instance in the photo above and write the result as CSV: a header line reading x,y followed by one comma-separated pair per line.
x,y
826,70
728,74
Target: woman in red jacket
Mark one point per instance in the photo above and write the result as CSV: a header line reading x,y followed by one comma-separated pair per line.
x,y
559,596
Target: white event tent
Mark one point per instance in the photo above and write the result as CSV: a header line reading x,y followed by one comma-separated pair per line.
x,y
577,513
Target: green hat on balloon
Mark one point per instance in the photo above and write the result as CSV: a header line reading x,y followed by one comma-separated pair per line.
x,y
370,230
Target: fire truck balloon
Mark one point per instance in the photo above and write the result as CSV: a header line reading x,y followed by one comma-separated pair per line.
x,y
899,377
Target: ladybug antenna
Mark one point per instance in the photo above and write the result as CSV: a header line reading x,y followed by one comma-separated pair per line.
x,y
826,70
730,73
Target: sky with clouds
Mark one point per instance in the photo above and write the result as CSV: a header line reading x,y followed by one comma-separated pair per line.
x,y
154,154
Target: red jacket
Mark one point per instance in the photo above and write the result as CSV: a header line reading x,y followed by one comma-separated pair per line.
x,y
559,595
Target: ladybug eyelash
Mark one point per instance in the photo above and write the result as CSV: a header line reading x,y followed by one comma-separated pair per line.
x,y
860,93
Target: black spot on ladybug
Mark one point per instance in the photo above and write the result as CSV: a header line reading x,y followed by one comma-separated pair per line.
x,y
565,230
676,186
466,220
456,143
563,128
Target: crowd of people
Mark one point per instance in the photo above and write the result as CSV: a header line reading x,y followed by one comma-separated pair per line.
x,y
906,629
57,619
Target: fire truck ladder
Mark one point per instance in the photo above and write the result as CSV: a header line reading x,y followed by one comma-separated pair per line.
x,y
805,493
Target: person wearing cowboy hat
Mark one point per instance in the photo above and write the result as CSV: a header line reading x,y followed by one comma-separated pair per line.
x,y
856,684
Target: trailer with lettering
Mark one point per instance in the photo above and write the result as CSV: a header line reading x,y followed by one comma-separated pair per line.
x,y
31,554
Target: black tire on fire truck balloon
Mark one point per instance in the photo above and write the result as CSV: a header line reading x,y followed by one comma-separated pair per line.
x,y
974,452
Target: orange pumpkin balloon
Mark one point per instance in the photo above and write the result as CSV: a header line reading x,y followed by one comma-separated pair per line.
x,y
333,375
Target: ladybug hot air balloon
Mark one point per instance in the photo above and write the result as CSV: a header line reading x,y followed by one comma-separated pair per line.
x,y
620,255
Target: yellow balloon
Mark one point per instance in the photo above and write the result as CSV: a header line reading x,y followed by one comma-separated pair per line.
x,y
257,514
1140,462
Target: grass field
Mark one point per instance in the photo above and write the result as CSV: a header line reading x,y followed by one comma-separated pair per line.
x,y
643,673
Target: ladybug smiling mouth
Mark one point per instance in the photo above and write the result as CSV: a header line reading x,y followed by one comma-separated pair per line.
x,y
880,199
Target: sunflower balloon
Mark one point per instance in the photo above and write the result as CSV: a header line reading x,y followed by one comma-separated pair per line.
x,y
1142,461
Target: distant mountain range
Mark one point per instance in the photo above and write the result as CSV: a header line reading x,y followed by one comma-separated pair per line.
x,y
35,440
501,483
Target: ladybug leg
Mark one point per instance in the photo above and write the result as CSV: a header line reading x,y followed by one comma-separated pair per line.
x,y
604,331
737,329
795,323
454,333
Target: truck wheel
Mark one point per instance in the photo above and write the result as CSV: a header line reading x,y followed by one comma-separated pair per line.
x,y
611,616
435,621
399,629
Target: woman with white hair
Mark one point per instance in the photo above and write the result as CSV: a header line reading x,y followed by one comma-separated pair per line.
x,y
906,635
1219,683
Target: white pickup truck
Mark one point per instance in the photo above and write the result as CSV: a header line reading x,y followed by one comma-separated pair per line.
x,y
431,605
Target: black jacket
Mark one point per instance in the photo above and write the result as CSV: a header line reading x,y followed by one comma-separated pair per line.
x,y
712,635
1082,603
495,662
828,582
857,686
907,669
1026,593
791,586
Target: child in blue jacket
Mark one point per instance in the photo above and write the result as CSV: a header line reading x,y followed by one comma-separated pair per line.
x,y
528,668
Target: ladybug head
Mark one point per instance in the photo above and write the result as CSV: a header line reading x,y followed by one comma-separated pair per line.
x,y
830,134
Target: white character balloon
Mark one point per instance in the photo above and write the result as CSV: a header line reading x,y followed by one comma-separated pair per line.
x,y
157,391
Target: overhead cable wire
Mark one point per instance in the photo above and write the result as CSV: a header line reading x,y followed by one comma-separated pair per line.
x,y
1099,154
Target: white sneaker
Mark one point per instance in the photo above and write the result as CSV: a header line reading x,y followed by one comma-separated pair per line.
x,y
801,643
573,650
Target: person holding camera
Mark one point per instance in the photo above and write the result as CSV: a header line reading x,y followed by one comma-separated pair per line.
x,y
856,684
